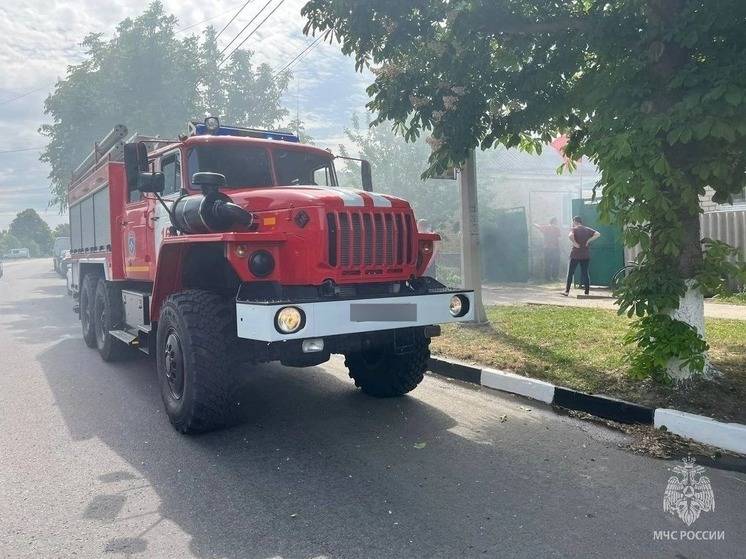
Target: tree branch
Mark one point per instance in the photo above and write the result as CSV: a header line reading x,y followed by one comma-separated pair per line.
x,y
525,27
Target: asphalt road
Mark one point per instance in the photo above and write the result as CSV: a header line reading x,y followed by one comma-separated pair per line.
x,y
90,467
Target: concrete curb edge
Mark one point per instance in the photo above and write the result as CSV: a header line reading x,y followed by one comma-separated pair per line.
x,y
728,436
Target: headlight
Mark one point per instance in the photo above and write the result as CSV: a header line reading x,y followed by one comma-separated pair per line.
x,y
261,263
289,320
458,306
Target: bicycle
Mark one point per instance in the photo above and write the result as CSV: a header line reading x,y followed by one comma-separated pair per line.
x,y
618,278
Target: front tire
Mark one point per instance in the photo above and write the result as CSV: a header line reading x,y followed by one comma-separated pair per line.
x,y
195,345
87,298
382,373
108,315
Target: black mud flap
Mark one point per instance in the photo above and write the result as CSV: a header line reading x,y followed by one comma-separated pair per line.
x,y
404,340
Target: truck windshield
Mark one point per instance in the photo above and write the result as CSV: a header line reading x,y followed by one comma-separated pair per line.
x,y
303,167
242,165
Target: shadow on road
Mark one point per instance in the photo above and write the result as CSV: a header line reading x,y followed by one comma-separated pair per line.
x,y
316,466
317,469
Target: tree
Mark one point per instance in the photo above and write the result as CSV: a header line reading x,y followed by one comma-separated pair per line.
x,y
7,242
153,82
62,230
652,91
236,91
243,83
32,232
297,127
397,167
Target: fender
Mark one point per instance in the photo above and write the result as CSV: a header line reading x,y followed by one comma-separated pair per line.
x,y
168,275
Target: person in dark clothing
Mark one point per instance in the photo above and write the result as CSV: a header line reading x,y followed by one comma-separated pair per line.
x,y
580,237
551,235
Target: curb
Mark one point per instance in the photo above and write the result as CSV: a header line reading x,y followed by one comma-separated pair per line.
x,y
728,436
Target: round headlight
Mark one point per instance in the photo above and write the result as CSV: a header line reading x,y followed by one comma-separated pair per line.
x,y
261,263
289,320
458,306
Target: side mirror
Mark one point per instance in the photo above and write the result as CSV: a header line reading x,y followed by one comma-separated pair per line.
x,y
133,163
208,182
151,182
366,175
136,170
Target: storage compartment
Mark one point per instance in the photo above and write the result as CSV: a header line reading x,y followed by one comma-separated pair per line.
x,y
136,308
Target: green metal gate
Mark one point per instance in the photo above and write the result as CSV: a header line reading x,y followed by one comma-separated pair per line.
x,y
504,243
607,252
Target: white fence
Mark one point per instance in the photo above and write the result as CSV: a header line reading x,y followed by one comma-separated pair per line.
x,y
728,226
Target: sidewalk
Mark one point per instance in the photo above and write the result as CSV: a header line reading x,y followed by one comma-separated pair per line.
x,y
551,294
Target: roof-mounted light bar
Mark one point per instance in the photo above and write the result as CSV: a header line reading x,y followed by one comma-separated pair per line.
x,y
212,126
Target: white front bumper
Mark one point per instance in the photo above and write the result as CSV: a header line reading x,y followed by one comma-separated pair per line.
x,y
256,321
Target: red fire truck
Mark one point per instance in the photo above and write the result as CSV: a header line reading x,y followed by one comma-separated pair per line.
x,y
233,245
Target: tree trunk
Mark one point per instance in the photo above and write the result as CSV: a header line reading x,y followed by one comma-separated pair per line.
x,y
691,306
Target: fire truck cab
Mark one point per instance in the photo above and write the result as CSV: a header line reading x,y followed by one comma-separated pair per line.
x,y
230,246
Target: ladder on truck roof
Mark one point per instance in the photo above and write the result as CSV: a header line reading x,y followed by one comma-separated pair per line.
x,y
111,148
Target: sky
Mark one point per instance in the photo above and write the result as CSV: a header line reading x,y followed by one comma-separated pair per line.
x,y
40,39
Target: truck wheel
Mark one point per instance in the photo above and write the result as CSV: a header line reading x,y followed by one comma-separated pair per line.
x,y
87,298
108,315
194,350
380,372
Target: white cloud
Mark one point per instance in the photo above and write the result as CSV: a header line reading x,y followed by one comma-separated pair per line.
x,y
39,40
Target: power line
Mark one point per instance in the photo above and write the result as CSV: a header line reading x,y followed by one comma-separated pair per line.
x,y
245,27
22,149
308,48
234,17
254,31
4,101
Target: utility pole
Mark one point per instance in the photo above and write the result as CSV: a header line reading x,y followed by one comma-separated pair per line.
x,y
471,258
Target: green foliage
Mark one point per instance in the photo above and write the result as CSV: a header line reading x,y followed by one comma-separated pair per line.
x,y
62,230
652,91
7,242
297,127
722,266
660,339
31,232
397,168
148,79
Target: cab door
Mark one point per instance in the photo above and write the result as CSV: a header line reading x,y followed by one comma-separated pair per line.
x,y
137,235
170,166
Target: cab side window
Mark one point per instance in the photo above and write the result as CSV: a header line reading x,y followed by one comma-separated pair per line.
x,y
134,195
171,169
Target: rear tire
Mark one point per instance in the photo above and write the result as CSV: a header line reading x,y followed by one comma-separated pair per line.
x,y
108,314
195,348
382,373
87,298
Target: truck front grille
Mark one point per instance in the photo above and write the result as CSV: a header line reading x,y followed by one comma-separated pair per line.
x,y
370,242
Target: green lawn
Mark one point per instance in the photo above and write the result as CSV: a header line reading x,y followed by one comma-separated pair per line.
x,y
582,348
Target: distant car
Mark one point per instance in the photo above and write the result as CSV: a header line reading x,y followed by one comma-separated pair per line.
x,y
61,244
18,253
